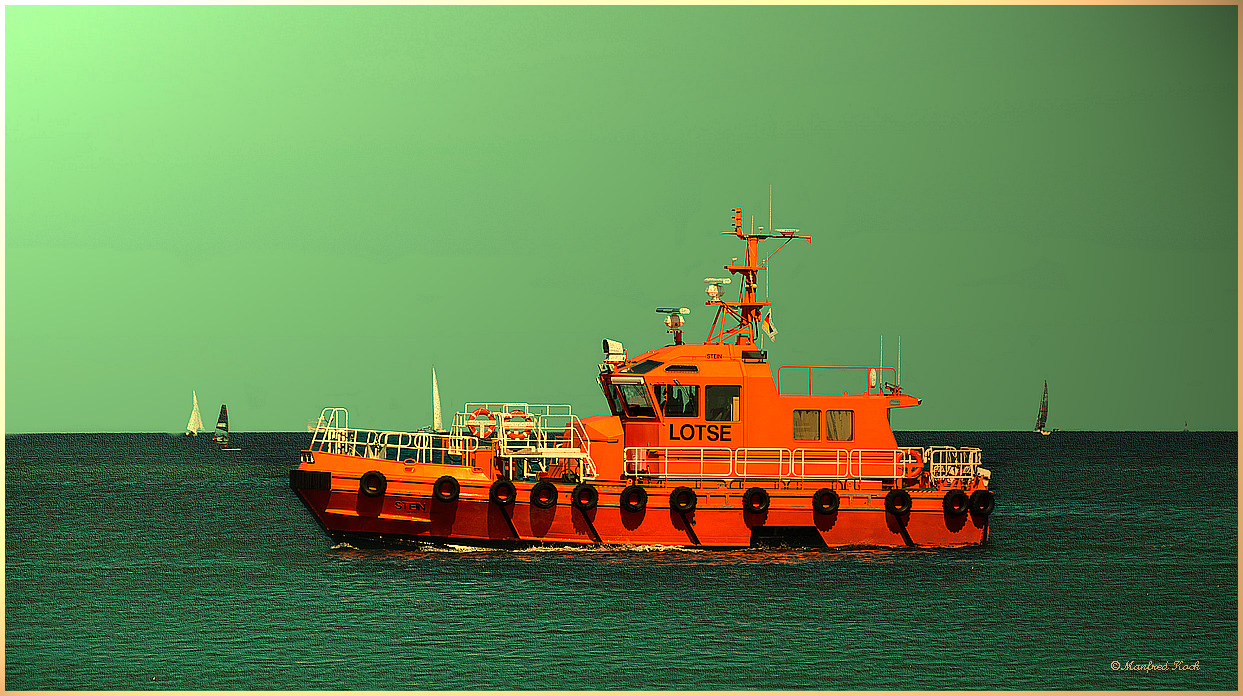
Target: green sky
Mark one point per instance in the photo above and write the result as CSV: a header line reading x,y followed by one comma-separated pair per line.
x,y
286,208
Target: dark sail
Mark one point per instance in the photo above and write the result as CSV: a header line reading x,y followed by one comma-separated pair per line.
x,y
221,436
1044,408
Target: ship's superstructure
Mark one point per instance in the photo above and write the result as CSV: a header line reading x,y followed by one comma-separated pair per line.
x,y
702,447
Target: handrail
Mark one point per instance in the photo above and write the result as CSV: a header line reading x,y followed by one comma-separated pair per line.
x,y
947,463
639,461
766,463
741,467
334,436
877,388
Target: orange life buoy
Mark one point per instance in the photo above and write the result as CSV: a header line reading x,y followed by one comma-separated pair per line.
x,y
473,426
521,434
914,468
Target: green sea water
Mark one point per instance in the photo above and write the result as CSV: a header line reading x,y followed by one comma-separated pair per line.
x,y
159,562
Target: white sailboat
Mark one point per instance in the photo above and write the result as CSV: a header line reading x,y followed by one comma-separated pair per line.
x,y
438,424
195,426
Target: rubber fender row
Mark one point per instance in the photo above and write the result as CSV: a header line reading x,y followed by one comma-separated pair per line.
x,y
956,503
447,489
681,499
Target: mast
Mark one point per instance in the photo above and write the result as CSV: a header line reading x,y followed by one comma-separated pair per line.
x,y
747,310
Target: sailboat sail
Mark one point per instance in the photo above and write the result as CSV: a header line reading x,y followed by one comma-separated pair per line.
x,y
222,427
1043,415
195,426
438,424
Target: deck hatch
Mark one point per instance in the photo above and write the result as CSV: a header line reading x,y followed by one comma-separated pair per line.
x,y
645,366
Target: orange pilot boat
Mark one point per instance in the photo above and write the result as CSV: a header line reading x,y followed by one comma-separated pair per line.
x,y
702,448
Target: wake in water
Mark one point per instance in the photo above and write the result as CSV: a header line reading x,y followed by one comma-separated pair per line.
x,y
429,547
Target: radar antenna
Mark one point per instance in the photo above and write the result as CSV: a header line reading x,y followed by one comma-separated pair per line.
x,y
747,311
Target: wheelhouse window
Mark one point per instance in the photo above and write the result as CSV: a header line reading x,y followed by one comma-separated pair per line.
x,y
839,425
609,396
721,402
634,398
806,425
678,400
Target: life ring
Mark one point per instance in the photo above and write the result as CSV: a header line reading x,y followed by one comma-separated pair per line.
x,y
955,503
634,499
474,427
446,489
372,484
913,470
755,500
982,502
825,501
524,433
584,497
898,502
682,499
502,492
544,495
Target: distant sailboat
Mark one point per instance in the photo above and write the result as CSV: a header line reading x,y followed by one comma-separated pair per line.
x,y
221,436
438,424
1043,415
195,426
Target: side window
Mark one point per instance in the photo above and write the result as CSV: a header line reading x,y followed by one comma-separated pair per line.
x,y
840,425
678,400
807,425
721,402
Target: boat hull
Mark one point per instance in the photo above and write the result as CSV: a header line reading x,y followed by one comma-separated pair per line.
x,y
406,511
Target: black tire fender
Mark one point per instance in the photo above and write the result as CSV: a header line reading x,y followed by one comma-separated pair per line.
x,y
982,502
634,498
755,500
372,484
955,503
897,502
584,497
446,489
682,499
825,501
544,495
503,492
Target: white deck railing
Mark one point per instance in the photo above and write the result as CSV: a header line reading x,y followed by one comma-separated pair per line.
x,y
334,436
776,463
529,438
952,463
